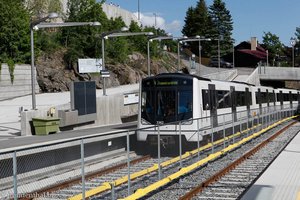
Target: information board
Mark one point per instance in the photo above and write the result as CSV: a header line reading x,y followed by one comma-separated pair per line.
x,y
89,65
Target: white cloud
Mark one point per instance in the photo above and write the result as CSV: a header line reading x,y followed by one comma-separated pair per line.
x,y
149,19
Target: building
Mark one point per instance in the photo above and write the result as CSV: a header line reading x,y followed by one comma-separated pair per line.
x,y
248,54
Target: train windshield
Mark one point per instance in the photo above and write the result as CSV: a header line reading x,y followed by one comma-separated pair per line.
x,y
166,100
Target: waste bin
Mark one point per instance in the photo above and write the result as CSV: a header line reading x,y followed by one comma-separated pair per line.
x,y
44,126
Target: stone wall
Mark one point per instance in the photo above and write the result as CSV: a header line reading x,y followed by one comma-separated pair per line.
x,y
21,84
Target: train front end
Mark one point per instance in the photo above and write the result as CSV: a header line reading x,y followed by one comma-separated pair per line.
x,y
165,100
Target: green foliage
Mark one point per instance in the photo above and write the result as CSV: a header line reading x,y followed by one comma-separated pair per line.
x,y
40,8
14,32
272,43
198,22
209,23
222,26
11,67
81,41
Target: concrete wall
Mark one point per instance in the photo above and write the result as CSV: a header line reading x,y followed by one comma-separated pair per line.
x,y
280,73
223,76
110,110
114,11
254,78
21,84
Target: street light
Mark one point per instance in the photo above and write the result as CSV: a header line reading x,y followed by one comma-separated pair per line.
x,y
221,37
293,43
179,40
37,25
116,33
32,26
200,48
191,39
148,47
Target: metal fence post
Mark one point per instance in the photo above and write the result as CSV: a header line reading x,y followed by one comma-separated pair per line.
x,y
247,127
15,175
224,142
212,139
128,164
241,124
82,168
180,145
158,152
198,139
112,185
233,129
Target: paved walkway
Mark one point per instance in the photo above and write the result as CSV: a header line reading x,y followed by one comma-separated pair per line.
x,y
281,181
10,125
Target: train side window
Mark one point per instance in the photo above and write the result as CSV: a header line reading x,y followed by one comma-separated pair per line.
x,y
286,97
223,99
185,104
147,107
240,98
271,97
294,97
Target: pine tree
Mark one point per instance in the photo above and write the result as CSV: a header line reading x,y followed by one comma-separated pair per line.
x,y
189,26
197,22
222,27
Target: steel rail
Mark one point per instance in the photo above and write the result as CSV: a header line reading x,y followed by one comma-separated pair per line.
x,y
233,165
78,180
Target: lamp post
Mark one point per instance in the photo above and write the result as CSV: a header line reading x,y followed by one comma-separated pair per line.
x,y
148,48
233,63
293,43
117,33
191,39
221,37
200,48
32,26
139,17
267,51
35,25
179,40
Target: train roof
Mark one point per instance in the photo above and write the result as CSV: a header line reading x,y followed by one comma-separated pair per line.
x,y
179,75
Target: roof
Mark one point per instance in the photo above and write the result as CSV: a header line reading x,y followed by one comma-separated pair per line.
x,y
256,53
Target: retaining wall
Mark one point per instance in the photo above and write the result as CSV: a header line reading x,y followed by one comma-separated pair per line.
x,y
21,84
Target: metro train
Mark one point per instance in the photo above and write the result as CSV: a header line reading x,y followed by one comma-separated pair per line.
x,y
175,100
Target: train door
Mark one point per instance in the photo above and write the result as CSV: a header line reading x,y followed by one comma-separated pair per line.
x,y
248,100
213,104
258,99
233,102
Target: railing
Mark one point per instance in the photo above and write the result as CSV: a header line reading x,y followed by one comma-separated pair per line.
x,y
24,170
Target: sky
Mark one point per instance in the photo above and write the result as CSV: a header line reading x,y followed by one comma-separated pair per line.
x,y
251,18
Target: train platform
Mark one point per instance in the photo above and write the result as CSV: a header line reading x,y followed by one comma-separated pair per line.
x,y
282,178
64,136
10,120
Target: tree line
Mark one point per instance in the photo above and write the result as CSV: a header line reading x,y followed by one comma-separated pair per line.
x,y
214,21
79,42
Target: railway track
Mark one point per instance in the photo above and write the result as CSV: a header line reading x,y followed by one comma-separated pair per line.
x,y
142,174
233,181
53,191
209,182
94,180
